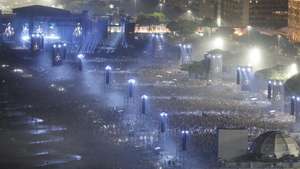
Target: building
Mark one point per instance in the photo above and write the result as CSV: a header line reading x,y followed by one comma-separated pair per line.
x,y
273,149
235,13
240,13
206,8
294,20
268,13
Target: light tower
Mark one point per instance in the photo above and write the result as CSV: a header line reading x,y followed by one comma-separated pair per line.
x,y
163,119
144,100
131,83
107,74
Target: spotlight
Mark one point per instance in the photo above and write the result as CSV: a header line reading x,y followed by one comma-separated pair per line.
x,y
80,56
185,132
218,43
144,97
108,67
163,114
131,81
25,38
254,56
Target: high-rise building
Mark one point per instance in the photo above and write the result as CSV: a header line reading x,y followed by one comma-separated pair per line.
x,y
268,13
234,13
294,20
259,13
206,8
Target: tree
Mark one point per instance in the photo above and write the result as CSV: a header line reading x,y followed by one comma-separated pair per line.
x,y
184,28
175,8
209,22
148,6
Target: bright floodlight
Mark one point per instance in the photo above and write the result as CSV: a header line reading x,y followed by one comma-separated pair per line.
x,y
144,97
64,44
131,81
163,114
278,36
219,21
18,70
25,38
292,70
80,56
254,57
189,11
107,67
249,28
185,132
54,46
161,5
111,6
218,43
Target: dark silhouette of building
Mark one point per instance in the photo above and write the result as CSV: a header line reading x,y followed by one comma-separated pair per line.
x,y
258,13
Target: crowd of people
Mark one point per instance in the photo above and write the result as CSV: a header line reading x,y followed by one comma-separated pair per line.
x,y
201,109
